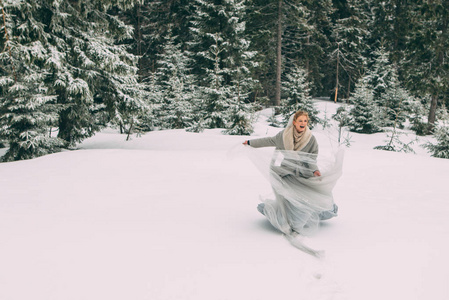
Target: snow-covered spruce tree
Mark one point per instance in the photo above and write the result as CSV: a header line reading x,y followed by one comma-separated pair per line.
x,y
364,114
381,74
391,98
86,67
394,142
396,104
223,62
425,65
81,40
153,21
296,97
240,116
280,31
151,120
441,147
28,109
241,62
418,112
93,54
343,118
315,44
132,108
176,85
348,40
214,101
441,133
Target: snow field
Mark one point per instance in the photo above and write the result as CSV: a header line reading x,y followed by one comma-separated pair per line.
x,y
172,215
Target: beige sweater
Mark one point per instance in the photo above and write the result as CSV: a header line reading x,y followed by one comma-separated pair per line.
x,y
284,141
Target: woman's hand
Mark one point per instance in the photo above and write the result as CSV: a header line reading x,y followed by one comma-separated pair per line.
x,y
317,173
245,143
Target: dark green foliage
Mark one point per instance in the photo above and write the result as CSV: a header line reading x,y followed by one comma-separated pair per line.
x,y
28,107
425,67
223,65
441,147
69,70
72,67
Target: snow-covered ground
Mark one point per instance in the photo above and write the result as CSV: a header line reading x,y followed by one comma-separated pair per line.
x,y
172,215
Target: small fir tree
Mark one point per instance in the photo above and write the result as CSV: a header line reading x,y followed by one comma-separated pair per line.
x,y
441,148
343,118
27,116
152,120
441,133
389,96
296,91
382,75
215,93
176,85
397,105
240,121
240,117
418,113
364,113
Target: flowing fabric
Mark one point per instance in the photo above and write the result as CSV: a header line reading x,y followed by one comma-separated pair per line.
x,y
300,198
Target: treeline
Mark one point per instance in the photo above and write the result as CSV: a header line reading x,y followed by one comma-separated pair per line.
x,y
69,68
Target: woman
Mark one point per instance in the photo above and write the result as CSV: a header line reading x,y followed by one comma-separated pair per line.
x,y
303,198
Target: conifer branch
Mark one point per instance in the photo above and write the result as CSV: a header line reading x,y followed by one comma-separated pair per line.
x,y
7,41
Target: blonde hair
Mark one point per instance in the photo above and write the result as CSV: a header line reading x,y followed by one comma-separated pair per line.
x,y
301,113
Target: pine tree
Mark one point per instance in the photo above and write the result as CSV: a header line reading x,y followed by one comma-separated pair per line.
x,y
279,31
28,109
314,46
397,102
364,113
389,96
349,39
84,62
426,69
215,94
153,119
261,29
240,119
176,85
382,74
441,148
223,62
241,71
418,111
297,97
240,113
153,21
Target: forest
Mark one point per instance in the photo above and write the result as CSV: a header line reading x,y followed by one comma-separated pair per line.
x,y
71,68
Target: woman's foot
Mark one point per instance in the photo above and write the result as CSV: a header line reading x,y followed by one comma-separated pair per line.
x,y
261,207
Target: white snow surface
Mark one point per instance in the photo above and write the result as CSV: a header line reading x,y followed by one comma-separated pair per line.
x,y
172,215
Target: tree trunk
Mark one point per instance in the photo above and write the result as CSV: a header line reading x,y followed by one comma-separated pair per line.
x,y
6,37
130,129
440,54
138,37
307,59
433,108
348,93
336,73
277,99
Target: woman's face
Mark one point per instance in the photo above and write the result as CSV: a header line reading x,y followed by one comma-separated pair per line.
x,y
300,123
